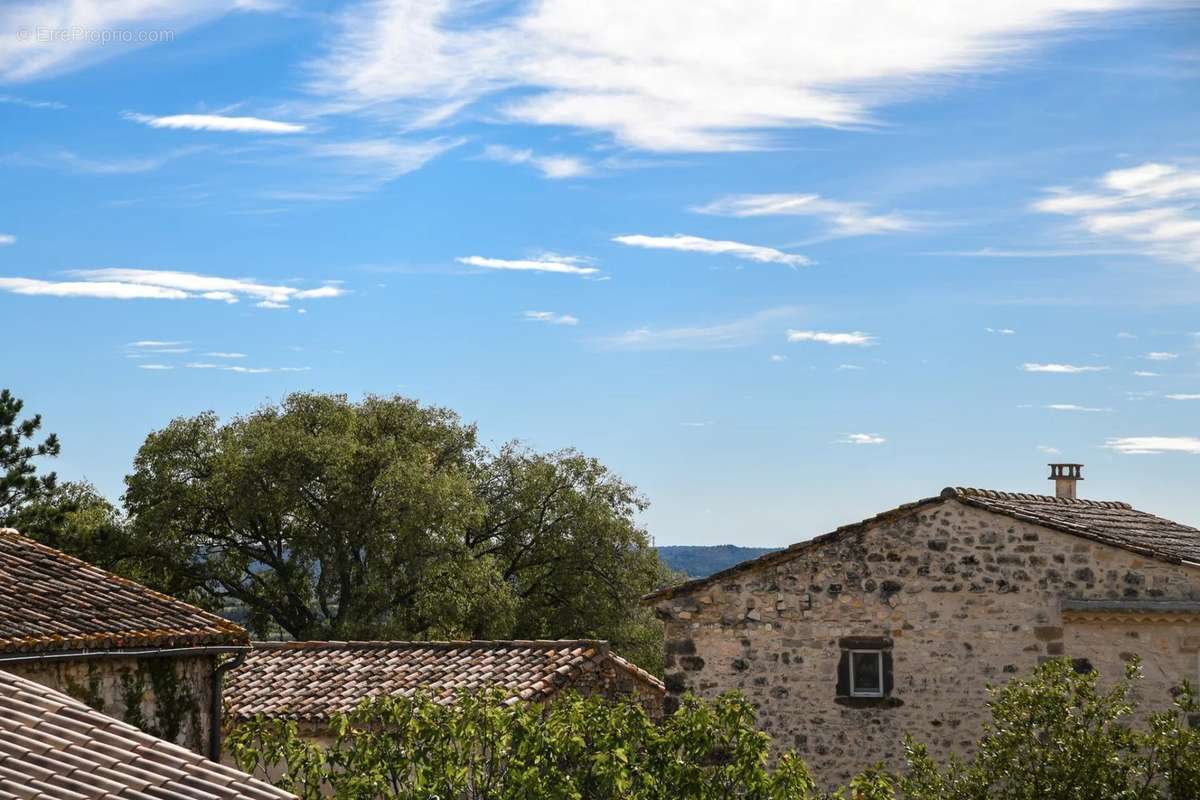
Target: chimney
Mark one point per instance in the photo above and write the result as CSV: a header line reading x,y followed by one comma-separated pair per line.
x,y
1065,476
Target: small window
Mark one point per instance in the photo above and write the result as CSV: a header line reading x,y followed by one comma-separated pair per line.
x,y
866,673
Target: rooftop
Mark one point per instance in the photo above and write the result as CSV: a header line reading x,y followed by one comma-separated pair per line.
x,y
53,746
51,602
310,681
1110,522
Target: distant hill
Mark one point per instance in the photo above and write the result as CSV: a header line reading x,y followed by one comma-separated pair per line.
x,y
699,561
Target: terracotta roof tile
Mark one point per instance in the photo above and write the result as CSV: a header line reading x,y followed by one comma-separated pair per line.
x,y
309,681
53,755
51,602
1107,521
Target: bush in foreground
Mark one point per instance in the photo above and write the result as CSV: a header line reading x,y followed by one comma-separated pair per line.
x,y
1056,735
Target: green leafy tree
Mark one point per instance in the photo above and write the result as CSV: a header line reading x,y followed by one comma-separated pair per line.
x,y
324,518
19,482
484,748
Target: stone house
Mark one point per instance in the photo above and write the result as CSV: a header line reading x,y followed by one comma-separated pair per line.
x,y
310,681
125,650
54,746
896,625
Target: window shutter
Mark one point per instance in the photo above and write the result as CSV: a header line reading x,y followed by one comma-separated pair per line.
x,y
887,673
843,675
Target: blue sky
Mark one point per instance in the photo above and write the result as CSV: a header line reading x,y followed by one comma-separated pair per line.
x,y
781,269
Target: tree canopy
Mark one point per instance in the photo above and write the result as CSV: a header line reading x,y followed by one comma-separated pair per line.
x,y
385,518
19,448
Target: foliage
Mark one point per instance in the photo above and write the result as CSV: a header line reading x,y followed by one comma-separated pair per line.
x,y
329,519
484,748
1058,734
19,481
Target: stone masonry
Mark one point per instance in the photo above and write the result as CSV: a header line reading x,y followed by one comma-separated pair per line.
x,y
963,597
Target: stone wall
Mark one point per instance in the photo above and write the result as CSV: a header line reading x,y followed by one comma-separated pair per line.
x,y
614,682
167,697
965,598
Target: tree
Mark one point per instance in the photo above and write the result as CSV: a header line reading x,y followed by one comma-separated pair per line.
x,y
324,518
483,748
19,481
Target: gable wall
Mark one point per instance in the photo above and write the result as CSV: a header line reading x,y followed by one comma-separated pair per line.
x,y
968,597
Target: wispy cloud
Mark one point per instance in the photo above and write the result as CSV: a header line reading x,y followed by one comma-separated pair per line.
x,y
843,218
855,338
1001,331
378,161
697,244
738,333
70,161
6,239
1073,407
551,317
547,262
155,366
717,79
237,368
551,166
777,358
216,122
144,284
1152,208
1141,373
225,355
1048,450
13,100
1064,369
993,252
862,438
155,343
1183,397
1153,445
1162,356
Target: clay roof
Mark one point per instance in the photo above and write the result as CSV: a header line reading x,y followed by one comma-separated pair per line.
x,y
309,681
51,602
53,747
1110,522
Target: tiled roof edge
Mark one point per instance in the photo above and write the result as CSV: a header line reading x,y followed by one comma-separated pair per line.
x,y
385,644
236,633
788,553
960,492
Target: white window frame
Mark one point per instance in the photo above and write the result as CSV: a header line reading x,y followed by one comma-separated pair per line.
x,y
854,692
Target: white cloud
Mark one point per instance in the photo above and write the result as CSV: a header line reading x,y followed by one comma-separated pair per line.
x,y
216,122
66,34
547,262
843,218
777,359
378,161
1066,369
155,366
862,438
1162,356
855,338
696,244
1151,445
737,333
1152,208
849,368
7,238
143,284
154,343
551,317
1126,335
1048,450
1141,373
656,76
552,166
26,103
1001,331
225,355
244,370
1183,397
1073,407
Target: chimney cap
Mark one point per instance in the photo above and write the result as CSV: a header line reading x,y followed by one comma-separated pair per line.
x,y
1066,471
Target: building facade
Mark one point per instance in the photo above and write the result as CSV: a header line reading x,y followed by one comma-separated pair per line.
x,y
142,657
897,625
